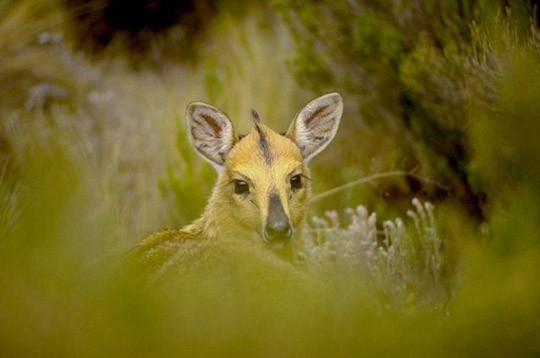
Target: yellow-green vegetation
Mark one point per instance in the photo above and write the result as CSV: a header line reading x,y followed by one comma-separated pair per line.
x,y
95,156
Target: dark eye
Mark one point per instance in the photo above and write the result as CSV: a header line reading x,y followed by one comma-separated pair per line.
x,y
296,182
240,187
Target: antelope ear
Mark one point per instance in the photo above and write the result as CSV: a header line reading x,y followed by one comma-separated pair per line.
x,y
316,124
211,132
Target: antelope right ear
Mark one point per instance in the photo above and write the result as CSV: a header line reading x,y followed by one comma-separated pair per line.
x,y
211,132
316,124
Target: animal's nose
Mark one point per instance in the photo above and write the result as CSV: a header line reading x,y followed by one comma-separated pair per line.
x,y
278,231
277,227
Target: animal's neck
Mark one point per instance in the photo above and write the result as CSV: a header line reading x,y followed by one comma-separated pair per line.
x,y
208,225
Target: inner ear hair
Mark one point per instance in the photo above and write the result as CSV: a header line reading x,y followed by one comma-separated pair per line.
x,y
316,124
210,131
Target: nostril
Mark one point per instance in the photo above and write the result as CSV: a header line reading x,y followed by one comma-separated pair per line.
x,y
280,230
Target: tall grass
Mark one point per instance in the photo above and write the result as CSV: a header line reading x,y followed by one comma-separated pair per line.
x,y
402,264
103,161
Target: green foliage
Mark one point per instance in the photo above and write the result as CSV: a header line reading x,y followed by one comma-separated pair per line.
x,y
505,152
409,66
59,296
190,190
9,210
374,37
31,73
309,70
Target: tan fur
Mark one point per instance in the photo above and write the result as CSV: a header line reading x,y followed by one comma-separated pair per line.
x,y
234,219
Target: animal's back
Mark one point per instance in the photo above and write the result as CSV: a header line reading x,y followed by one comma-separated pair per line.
x,y
185,254
162,250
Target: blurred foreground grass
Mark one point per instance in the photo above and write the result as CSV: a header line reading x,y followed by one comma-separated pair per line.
x,y
97,158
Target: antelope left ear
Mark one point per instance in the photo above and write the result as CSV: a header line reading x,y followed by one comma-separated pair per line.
x,y
316,124
211,132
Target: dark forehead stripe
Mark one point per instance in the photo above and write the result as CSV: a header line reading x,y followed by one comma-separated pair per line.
x,y
265,148
263,142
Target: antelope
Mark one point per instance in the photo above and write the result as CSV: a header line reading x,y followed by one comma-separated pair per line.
x,y
263,187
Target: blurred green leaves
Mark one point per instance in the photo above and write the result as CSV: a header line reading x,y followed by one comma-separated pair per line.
x,y
377,38
410,70
506,153
29,32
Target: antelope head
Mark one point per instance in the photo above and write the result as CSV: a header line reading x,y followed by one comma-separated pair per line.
x,y
263,187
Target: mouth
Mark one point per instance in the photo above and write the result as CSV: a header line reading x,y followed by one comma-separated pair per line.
x,y
282,247
285,250
278,245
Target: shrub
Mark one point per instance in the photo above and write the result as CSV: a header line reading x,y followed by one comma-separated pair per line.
x,y
402,265
408,69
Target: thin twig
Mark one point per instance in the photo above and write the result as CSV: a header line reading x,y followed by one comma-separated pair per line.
x,y
375,177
